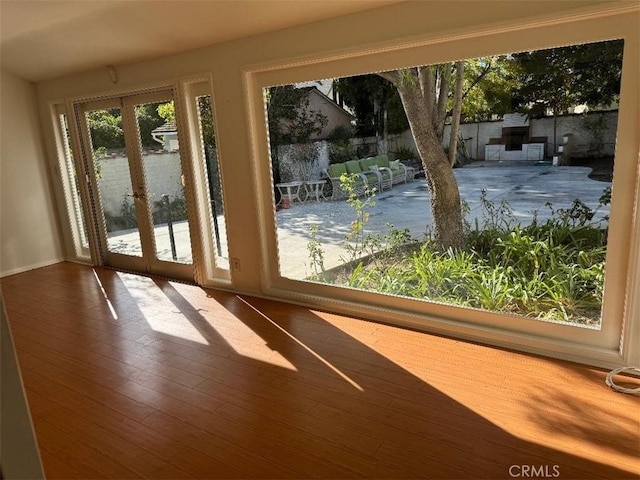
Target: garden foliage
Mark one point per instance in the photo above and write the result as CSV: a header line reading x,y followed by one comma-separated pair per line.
x,y
552,269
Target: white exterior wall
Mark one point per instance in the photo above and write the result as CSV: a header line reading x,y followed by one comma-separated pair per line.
x,y
580,137
163,175
477,135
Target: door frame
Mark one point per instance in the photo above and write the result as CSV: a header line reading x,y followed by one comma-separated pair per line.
x,y
148,263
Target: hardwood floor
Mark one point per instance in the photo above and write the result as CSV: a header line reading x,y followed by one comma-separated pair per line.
x,y
130,377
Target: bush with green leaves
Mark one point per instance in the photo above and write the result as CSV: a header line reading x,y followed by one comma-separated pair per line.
x,y
407,155
552,270
340,147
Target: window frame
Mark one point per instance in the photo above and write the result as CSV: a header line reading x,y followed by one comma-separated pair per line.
x,y
615,343
208,272
75,201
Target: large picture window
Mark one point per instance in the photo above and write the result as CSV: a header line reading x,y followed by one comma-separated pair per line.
x,y
483,183
476,197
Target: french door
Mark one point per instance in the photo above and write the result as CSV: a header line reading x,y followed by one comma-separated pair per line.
x,y
134,170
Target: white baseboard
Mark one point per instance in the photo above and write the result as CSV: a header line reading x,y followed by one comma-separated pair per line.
x,y
26,268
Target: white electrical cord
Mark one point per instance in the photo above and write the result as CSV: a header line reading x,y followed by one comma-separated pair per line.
x,y
609,380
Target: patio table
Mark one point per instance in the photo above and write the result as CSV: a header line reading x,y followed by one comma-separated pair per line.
x,y
315,188
290,190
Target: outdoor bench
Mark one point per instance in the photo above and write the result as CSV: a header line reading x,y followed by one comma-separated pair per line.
x,y
370,172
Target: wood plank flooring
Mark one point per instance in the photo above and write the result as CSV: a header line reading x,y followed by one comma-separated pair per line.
x,y
134,377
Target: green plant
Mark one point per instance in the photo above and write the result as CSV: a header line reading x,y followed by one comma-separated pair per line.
x,y
407,154
357,242
99,155
128,217
496,217
341,135
340,147
341,154
176,210
553,270
316,255
125,221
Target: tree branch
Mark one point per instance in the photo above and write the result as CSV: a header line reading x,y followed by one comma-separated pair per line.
x,y
443,96
457,109
477,80
393,76
427,87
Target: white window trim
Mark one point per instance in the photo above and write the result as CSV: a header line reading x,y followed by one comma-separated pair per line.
x,y
73,202
208,270
617,343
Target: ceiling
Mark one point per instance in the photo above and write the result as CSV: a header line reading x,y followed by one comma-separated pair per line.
x,y
44,39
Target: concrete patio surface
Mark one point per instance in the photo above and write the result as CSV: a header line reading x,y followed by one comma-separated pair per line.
x,y
525,188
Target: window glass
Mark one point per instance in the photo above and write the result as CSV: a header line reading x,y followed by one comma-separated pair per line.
x,y
72,175
484,183
204,105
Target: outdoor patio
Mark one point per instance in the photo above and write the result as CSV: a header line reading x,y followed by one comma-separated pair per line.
x,y
128,243
525,188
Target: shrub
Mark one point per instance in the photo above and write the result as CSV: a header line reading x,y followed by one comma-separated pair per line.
x,y
552,270
406,154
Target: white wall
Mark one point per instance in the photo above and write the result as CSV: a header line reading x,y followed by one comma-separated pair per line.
x,y
228,63
396,36
580,137
478,135
29,233
162,174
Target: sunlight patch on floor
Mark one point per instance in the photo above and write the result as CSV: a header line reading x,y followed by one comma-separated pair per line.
x,y
106,298
197,325
308,349
153,304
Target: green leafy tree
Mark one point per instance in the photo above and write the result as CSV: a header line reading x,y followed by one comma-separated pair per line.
x,y
148,120
598,69
167,112
377,106
106,128
205,113
488,86
558,78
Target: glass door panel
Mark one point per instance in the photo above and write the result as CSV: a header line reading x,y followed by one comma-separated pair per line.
x,y
164,182
141,215
208,141
75,199
113,178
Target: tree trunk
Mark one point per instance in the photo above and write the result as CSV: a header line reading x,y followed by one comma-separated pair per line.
x,y
443,188
455,117
380,119
385,131
444,81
